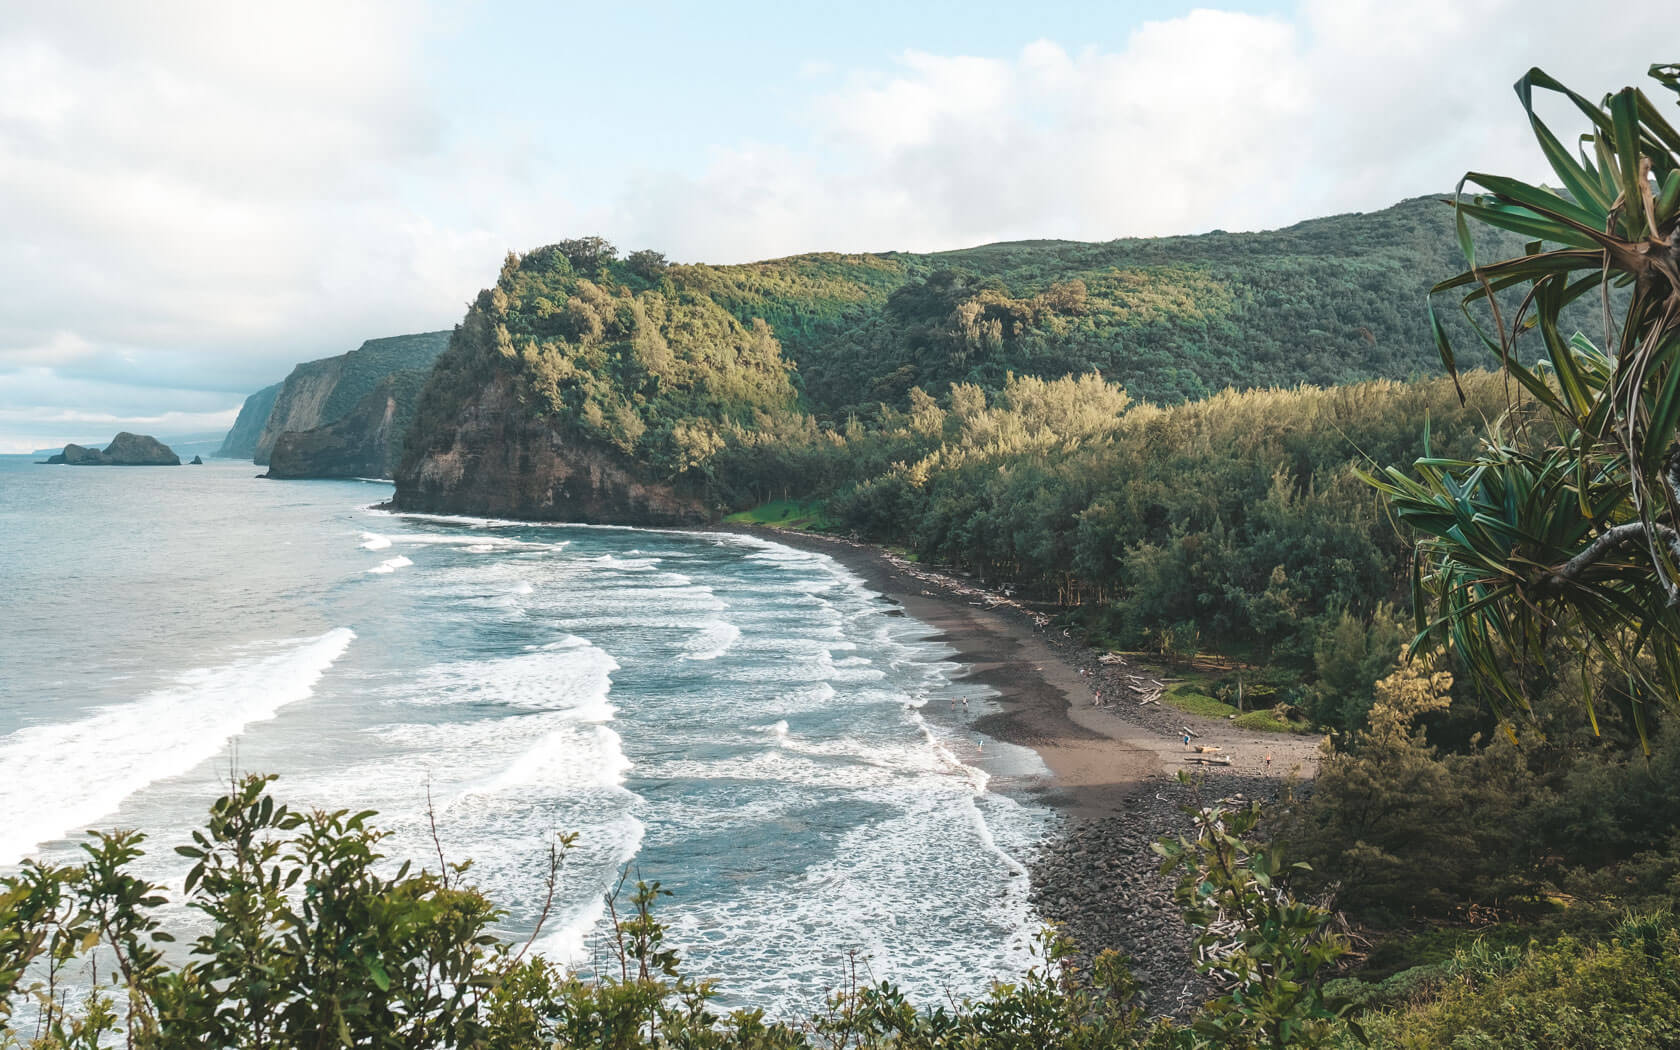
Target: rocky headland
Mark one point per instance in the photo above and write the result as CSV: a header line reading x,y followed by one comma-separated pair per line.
x,y
364,443
352,410
496,460
125,450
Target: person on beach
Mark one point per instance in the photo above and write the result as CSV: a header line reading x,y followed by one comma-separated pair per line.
x,y
1187,740
1268,760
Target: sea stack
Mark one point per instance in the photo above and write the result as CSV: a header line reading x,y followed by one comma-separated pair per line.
x,y
125,450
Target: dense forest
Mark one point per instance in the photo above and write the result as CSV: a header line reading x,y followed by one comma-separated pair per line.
x,y
1327,301
662,361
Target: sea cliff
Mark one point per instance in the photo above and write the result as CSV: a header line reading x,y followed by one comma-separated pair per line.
x,y
345,389
497,460
364,443
241,441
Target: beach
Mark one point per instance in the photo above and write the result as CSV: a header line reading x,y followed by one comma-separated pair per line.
x,y
1113,768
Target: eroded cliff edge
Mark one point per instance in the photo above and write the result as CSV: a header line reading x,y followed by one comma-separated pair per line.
x,y
321,393
497,461
241,440
583,388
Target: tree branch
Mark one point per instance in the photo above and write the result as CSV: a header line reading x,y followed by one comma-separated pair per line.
x,y
1608,541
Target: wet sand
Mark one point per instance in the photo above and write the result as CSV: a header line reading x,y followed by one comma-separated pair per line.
x,y
1099,757
1113,769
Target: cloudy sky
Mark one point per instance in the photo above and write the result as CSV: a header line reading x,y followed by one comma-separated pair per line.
x,y
196,196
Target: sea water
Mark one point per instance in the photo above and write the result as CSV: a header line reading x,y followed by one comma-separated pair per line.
x,y
746,723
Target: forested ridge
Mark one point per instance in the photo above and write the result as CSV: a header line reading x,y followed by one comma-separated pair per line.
x,y
1325,301
1019,410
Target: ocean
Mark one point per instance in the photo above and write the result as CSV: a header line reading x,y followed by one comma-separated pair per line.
x,y
746,723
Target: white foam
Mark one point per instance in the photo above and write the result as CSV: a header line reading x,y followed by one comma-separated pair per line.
x,y
373,541
570,675
60,778
568,944
712,641
391,565
624,564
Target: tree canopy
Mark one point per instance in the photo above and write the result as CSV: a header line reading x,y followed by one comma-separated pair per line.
x,y
1562,527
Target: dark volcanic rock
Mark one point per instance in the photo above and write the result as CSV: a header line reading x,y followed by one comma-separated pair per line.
x,y
197,461
362,444
319,393
125,450
494,459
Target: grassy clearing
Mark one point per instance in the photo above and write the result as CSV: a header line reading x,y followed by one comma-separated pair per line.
x,y
1265,721
786,514
1194,697
1189,697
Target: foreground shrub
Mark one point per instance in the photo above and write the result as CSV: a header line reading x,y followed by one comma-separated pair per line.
x,y
1622,993
314,942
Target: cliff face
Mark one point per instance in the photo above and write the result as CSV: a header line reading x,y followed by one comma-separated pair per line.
x,y
365,443
494,459
241,441
301,403
318,393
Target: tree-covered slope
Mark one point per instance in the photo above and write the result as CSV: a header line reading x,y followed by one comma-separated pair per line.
x,y
715,380
1326,301
583,386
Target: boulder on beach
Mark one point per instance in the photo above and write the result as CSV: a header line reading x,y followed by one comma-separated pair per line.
x,y
197,461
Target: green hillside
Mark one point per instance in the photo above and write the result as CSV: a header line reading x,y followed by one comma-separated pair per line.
x,y
674,366
1327,301
375,359
594,346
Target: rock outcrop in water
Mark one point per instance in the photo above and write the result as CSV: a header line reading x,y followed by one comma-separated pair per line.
x,y
125,450
320,393
241,441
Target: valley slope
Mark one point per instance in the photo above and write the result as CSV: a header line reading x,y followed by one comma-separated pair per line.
x,y
581,377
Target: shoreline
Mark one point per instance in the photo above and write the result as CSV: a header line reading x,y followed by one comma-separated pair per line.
x,y
1113,769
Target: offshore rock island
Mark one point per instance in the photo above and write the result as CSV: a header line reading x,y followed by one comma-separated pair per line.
x,y
125,450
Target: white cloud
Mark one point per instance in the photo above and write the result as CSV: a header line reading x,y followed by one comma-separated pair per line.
x,y
1216,119
197,195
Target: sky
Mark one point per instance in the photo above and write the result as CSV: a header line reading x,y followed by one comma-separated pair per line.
x,y
194,197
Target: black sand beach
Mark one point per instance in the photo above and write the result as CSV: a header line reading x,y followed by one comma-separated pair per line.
x,y
1113,768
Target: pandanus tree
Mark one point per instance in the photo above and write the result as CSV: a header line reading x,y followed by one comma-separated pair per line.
x,y
1563,533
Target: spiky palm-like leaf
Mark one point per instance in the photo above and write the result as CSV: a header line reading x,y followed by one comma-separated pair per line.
x,y
1564,526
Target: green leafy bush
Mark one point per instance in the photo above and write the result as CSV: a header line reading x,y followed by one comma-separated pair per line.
x,y
311,940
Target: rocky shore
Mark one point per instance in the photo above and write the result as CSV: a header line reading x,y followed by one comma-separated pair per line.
x,y
1114,768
